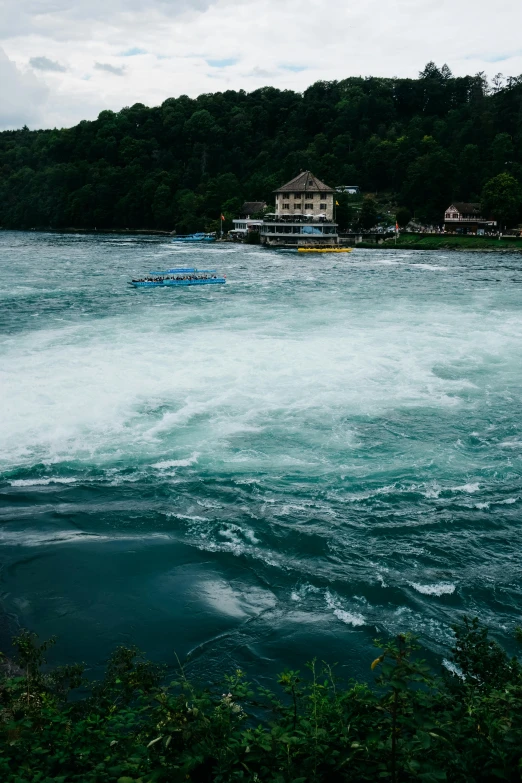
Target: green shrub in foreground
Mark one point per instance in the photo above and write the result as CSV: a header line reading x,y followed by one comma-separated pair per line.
x,y
409,726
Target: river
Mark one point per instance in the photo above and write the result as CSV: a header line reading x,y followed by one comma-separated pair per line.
x,y
324,451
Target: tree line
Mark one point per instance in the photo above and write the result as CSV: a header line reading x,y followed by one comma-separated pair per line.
x,y
428,141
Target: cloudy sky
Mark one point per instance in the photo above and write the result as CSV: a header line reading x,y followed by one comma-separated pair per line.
x,y
66,60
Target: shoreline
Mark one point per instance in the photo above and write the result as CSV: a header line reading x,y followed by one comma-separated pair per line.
x,y
459,245
445,248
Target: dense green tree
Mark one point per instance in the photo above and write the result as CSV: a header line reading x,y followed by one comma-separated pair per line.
x,y
502,199
368,213
502,151
162,207
429,183
343,211
424,141
403,217
469,173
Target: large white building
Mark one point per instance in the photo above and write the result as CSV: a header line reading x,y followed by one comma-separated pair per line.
x,y
304,214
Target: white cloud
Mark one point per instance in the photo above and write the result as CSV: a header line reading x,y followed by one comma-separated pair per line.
x,y
22,96
56,18
169,47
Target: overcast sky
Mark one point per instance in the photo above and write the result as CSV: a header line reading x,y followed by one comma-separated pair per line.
x,y
62,61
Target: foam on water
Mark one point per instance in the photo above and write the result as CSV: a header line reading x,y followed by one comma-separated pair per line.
x,y
443,588
177,463
303,591
318,447
469,488
42,482
135,383
349,618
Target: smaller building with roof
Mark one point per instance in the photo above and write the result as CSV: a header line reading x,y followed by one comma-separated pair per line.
x,y
245,222
466,218
304,214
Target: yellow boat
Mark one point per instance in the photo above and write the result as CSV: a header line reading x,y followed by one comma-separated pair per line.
x,y
324,249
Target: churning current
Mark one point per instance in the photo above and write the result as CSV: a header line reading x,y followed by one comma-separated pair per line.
x,y
323,451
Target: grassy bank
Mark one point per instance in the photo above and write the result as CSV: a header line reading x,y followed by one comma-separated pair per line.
x,y
444,242
409,724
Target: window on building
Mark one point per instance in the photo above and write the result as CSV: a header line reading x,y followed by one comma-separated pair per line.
x,y
297,206
297,195
309,206
309,195
286,195
286,206
322,206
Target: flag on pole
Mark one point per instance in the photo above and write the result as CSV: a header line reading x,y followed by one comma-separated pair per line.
x,y
222,217
336,203
397,227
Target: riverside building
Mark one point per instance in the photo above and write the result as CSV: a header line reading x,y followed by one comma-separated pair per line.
x,y
245,223
467,218
304,214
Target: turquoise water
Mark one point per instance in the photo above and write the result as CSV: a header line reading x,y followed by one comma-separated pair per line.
x,y
318,453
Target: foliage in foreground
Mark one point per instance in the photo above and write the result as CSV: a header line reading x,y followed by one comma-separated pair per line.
x,y
411,726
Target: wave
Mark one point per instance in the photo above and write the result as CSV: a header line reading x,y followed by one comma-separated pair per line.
x,y
510,444
435,267
354,619
433,491
301,592
41,482
443,588
469,488
177,463
32,538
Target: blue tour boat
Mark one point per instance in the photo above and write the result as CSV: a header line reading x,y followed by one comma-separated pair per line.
x,y
200,236
179,277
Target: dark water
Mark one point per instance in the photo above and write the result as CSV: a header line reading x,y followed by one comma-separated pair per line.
x,y
323,451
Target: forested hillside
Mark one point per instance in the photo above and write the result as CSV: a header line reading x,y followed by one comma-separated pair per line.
x,y
429,140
